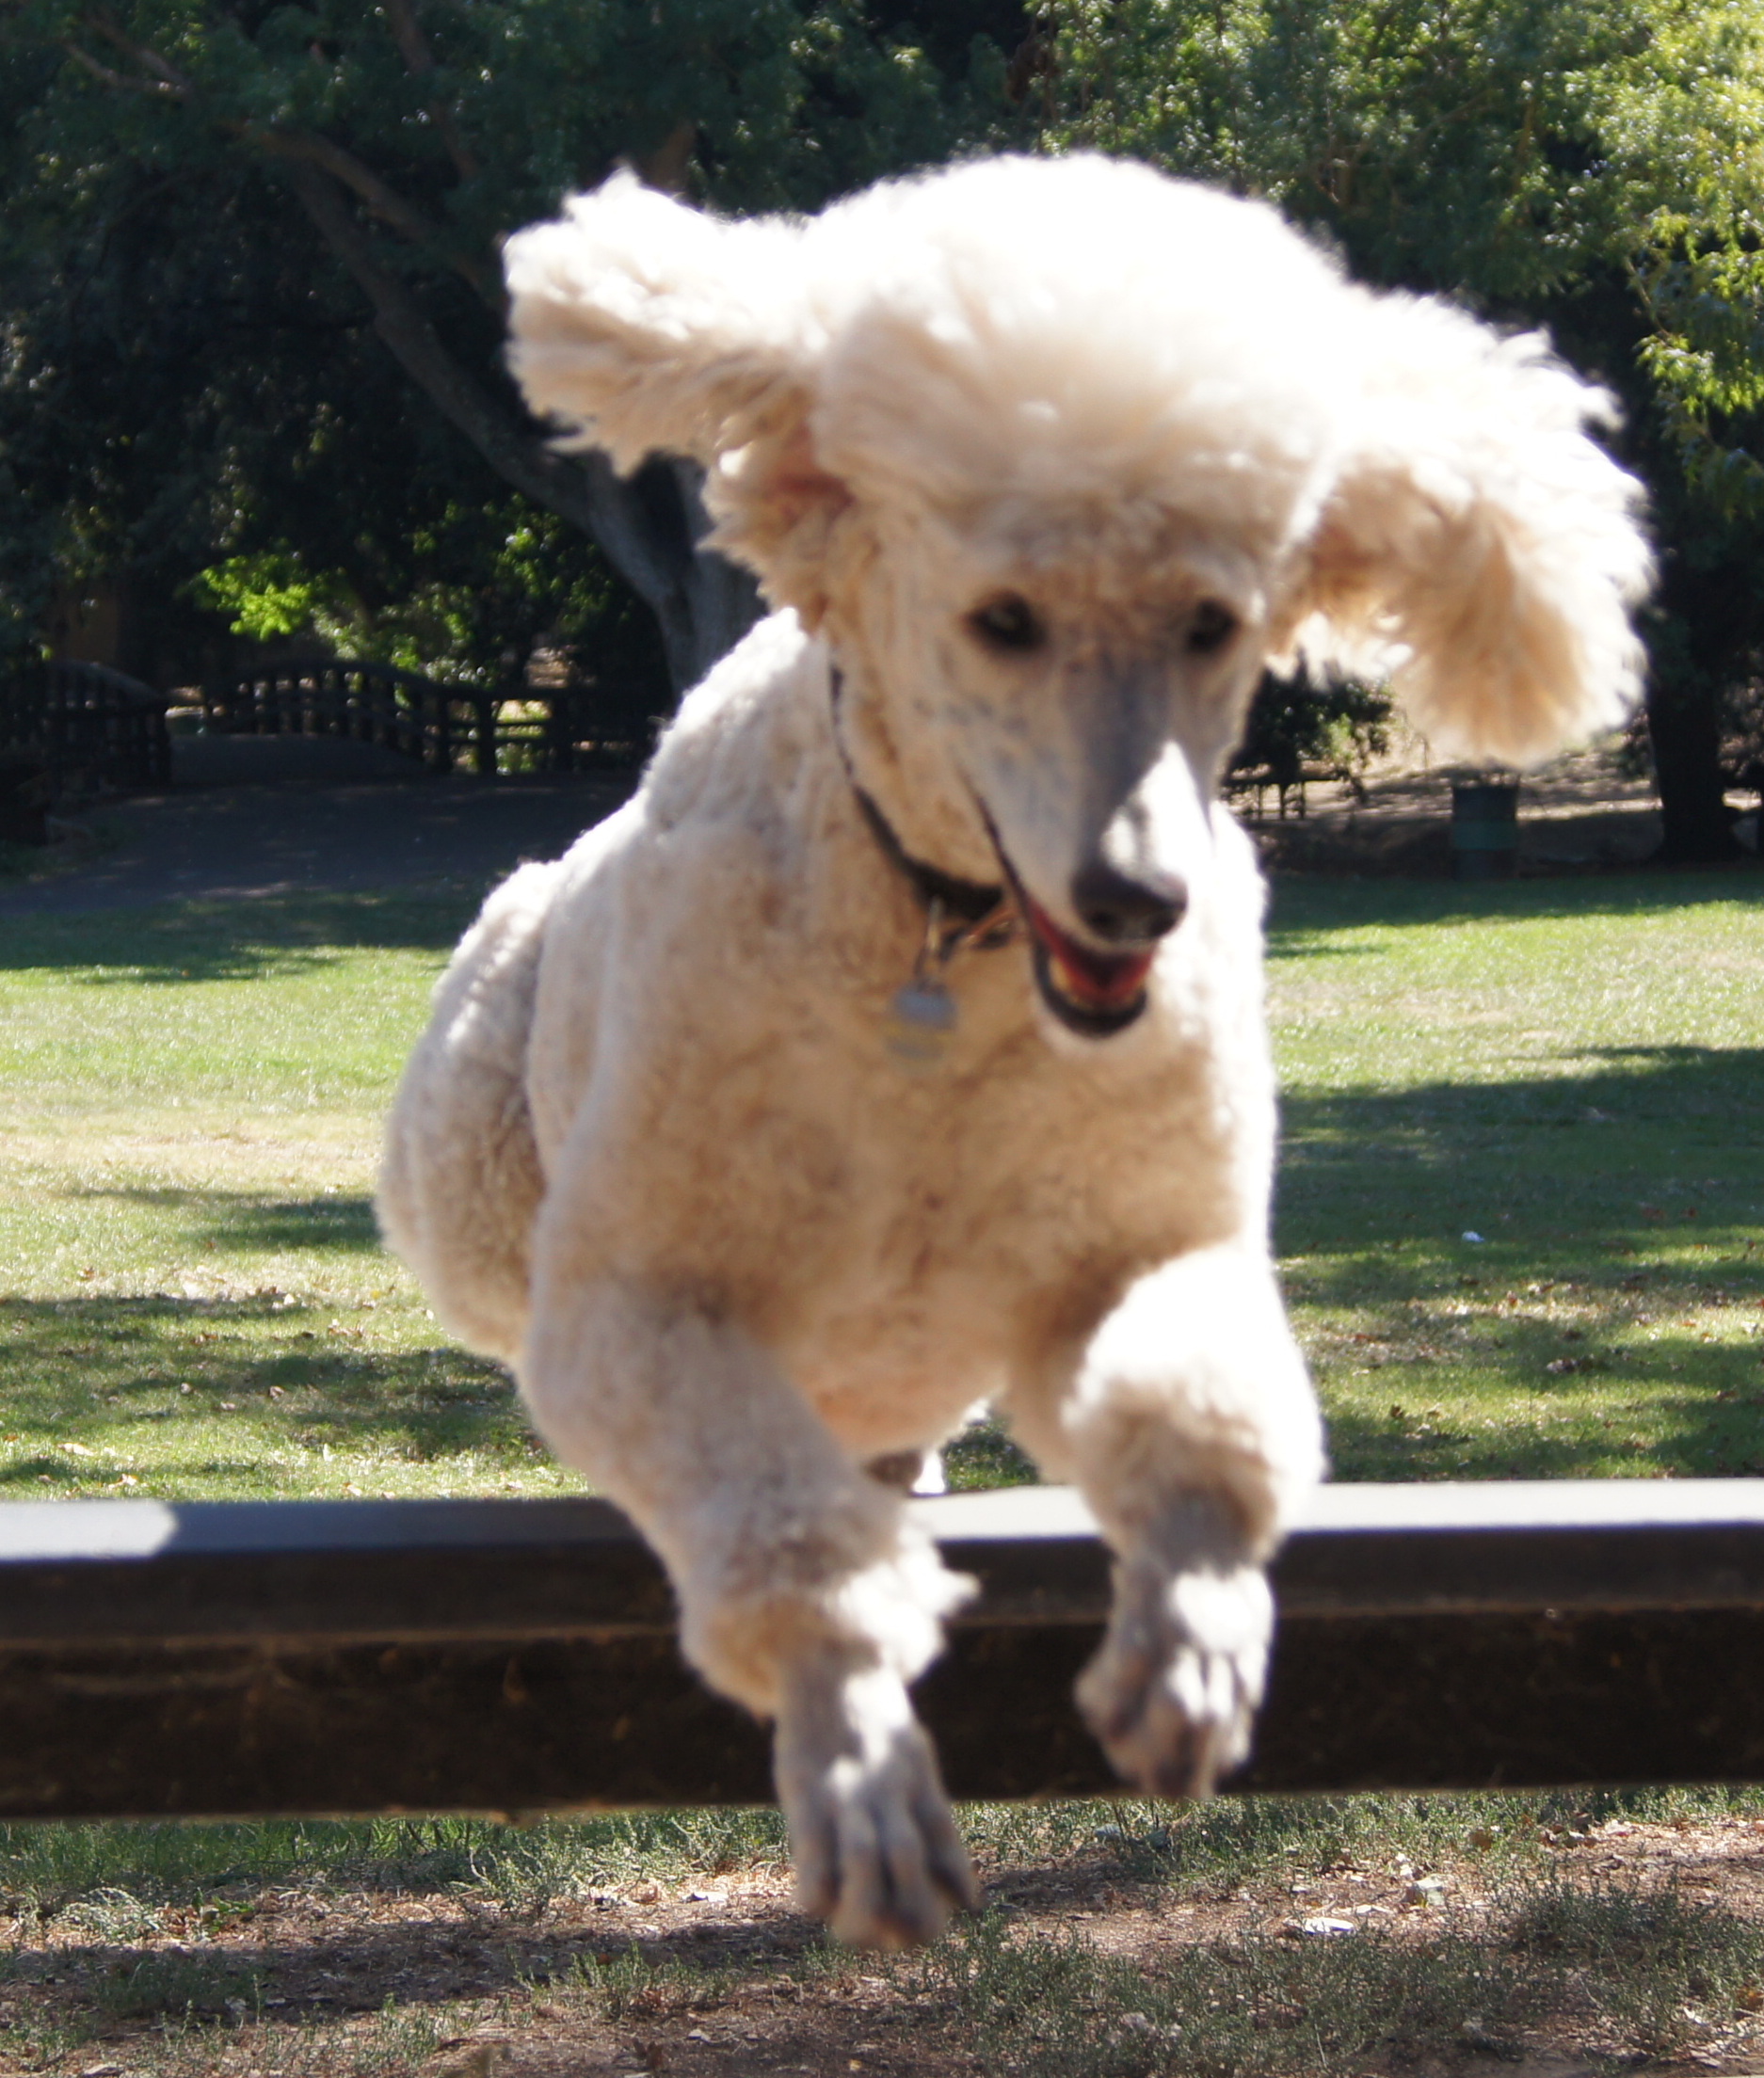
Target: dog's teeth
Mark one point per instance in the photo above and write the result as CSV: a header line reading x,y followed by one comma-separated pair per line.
x,y
1061,981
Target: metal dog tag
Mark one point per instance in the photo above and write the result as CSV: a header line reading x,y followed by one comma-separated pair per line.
x,y
920,1019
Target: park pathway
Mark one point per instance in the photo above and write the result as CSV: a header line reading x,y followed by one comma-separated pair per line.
x,y
292,820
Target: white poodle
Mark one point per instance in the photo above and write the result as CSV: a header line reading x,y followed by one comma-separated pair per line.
x,y
902,1044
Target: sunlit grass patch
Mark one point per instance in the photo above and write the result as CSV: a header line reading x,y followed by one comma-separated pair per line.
x,y
197,1301
1520,1216
1521,1198
1519,1211
120,1878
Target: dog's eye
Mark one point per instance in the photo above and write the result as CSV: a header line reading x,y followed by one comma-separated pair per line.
x,y
1008,622
1211,627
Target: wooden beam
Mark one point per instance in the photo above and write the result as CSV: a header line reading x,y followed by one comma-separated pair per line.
x,y
231,1658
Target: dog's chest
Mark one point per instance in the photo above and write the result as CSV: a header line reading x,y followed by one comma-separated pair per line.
x,y
960,1233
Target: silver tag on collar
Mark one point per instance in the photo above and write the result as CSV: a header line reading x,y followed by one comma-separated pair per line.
x,y
922,1018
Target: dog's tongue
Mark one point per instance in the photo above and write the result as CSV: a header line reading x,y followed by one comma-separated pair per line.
x,y
1098,981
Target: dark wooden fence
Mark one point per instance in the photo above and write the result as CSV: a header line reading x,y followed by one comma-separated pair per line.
x,y
231,1658
86,725
446,728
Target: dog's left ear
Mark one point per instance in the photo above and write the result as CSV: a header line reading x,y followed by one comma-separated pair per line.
x,y
1478,548
649,327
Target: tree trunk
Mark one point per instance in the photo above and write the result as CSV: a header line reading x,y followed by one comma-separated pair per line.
x,y
1684,729
703,603
1700,638
650,527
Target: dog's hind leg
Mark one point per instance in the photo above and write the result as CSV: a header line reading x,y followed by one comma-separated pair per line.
x,y
804,1592
460,1182
1190,1423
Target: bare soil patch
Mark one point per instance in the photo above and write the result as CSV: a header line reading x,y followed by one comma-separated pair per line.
x,y
299,835
1536,1952
1585,812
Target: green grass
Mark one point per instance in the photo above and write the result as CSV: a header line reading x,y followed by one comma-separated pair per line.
x,y
1573,1071
196,1304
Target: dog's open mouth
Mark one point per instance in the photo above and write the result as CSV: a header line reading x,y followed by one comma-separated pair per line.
x,y
1093,993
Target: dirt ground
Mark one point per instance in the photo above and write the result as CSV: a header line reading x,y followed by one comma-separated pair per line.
x,y
277,816
255,816
718,1976
1583,812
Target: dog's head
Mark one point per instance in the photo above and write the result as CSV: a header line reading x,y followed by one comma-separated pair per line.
x,y
1059,455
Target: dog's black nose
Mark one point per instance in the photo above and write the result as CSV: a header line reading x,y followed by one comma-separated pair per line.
x,y
1118,909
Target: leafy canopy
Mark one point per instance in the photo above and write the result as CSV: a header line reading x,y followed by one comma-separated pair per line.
x,y
1595,165
249,272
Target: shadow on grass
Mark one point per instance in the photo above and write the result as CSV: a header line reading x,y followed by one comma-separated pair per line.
x,y
1303,905
432,1960
1632,1972
229,941
1540,1239
1479,1177
170,1376
247,1222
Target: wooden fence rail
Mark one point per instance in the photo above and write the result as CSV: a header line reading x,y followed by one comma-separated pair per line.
x,y
161,1659
85,725
448,728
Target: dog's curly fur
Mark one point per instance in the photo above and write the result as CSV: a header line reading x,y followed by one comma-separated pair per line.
x,y
1040,462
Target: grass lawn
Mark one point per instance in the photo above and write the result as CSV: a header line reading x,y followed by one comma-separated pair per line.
x,y
1522,1198
1573,1071
196,1302
1519,1214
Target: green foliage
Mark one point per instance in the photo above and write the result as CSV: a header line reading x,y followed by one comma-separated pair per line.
x,y
1501,148
465,596
1300,731
1593,165
194,377
265,595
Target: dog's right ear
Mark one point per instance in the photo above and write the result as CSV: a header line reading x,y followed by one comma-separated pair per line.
x,y
648,328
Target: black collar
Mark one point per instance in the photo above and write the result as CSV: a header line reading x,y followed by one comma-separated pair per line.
x,y
973,900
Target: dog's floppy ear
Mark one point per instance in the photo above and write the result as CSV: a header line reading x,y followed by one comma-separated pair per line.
x,y
1478,548
649,327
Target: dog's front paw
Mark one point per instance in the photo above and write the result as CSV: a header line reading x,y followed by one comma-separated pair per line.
x,y
1172,1695
878,1853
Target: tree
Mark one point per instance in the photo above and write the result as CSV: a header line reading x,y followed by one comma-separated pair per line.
x,y
1593,165
306,167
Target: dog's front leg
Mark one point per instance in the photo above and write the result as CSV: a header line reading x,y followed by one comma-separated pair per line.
x,y
1193,1430
804,1592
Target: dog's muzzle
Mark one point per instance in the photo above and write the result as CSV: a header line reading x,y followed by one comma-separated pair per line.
x,y
1092,992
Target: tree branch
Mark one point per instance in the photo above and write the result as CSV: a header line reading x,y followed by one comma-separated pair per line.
x,y
380,197
419,60
665,169
383,200
586,492
103,24
108,76
649,528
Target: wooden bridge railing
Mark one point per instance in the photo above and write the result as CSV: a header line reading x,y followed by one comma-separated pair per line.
x,y
448,728
442,727
161,1659
85,725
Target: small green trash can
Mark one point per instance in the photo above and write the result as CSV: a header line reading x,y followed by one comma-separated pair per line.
x,y
1486,829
